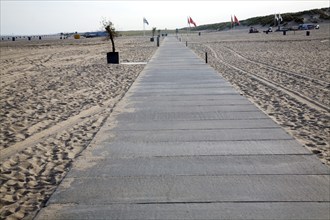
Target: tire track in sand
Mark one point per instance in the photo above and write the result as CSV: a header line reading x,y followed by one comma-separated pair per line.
x,y
305,100
34,139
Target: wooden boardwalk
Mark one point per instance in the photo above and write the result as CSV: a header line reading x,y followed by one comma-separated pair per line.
x,y
183,144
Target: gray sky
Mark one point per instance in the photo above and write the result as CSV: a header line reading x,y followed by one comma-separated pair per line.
x,y
47,17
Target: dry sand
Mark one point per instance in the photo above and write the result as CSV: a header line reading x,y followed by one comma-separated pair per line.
x,y
55,95
286,76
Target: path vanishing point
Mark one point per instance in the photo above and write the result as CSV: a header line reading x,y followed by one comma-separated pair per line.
x,y
183,144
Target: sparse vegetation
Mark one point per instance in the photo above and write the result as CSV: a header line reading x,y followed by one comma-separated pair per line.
x,y
108,26
313,16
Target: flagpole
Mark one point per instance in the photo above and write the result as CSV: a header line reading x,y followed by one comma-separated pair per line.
x,y
234,22
187,26
280,19
189,29
144,28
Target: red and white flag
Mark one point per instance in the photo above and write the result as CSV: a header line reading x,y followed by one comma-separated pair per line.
x,y
236,20
190,21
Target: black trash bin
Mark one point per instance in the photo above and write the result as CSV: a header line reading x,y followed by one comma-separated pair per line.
x,y
307,33
113,57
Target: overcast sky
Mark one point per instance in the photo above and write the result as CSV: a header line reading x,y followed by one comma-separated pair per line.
x,y
47,17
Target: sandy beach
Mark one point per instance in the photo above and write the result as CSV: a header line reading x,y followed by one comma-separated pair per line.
x,y
286,76
55,95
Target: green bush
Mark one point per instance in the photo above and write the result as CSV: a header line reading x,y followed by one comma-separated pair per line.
x,y
324,16
299,20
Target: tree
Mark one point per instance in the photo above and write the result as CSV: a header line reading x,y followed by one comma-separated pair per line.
x,y
108,26
153,31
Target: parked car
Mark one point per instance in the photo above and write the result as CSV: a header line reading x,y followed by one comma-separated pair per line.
x,y
306,26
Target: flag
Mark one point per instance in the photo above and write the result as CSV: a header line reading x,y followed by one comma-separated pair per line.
x,y
280,18
236,20
276,18
190,21
231,18
145,21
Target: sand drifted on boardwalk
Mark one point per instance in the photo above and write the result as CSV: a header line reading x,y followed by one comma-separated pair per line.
x,y
286,76
55,95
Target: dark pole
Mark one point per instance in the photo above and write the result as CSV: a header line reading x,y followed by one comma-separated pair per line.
x,y
205,57
112,42
108,29
158,41
186,43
